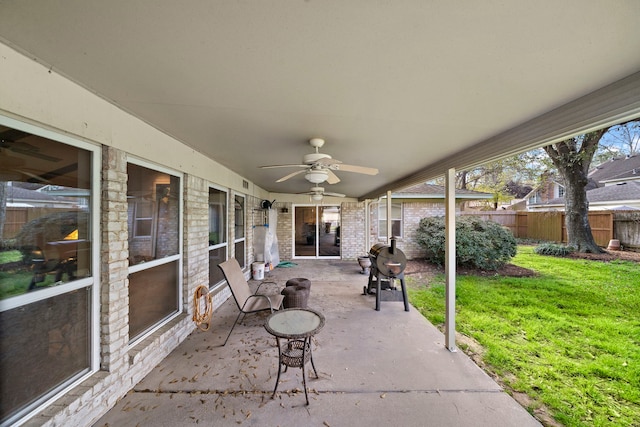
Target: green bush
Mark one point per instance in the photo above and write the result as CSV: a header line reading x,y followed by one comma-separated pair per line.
x,y
479,243
553,249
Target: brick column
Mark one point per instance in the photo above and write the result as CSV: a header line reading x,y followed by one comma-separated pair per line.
x,y
114,250
196,238
352,230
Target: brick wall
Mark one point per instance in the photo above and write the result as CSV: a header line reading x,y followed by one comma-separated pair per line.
x,y
352,231
412,213
285,224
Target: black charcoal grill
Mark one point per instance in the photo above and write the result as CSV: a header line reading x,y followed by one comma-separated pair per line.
x,y
387,266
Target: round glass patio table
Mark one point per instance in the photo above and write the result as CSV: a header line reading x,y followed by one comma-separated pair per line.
x,y
296,326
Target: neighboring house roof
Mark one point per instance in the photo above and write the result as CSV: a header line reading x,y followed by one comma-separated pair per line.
x,y
618,192
17,196
433,191
626,192
621,168
611,184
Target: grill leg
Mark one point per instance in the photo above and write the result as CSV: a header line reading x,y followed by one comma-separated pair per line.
x,y
378,291
404,295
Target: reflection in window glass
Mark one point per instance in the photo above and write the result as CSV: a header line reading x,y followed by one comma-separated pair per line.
x,y
239,237
217,234
153,211
217,217
143,218
45,243
152,297
154,233
36,356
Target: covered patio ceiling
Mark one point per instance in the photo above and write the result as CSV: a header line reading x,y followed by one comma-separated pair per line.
x,y
409,87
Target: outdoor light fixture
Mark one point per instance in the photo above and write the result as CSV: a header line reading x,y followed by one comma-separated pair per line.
x,y
316,197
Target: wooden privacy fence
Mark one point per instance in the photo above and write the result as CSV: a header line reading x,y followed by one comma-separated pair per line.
x,y
605,225
17,217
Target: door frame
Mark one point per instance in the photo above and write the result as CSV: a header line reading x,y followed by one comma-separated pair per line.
x,y
318,230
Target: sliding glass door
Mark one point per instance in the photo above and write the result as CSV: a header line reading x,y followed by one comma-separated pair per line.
x,y
316,231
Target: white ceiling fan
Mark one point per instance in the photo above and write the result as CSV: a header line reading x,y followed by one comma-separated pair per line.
x,y
317,193
318,167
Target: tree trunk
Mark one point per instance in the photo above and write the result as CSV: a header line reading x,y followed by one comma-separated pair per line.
x,y
576,220
573,158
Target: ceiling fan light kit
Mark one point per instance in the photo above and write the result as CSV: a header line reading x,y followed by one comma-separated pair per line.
x,y
316,176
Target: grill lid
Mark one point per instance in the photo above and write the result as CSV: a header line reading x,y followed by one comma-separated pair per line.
x,y
388,260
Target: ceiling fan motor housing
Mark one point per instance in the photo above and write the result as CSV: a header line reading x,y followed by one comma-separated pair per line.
x,y
312,158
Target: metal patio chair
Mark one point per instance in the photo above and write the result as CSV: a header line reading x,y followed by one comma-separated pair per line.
x,y
246,301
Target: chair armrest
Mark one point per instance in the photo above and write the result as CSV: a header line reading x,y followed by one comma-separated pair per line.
x,y
258,296
263,282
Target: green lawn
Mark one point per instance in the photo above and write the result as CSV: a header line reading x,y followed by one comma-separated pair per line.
x,y
569,338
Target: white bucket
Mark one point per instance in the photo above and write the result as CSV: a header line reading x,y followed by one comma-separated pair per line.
x,y
257,270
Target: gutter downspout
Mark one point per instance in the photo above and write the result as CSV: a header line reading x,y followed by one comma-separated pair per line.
x,y
367,228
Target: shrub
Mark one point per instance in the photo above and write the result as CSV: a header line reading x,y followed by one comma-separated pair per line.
x,y
553,249
479,244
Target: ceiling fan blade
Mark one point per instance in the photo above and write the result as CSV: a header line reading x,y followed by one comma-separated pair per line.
x,y
283,166
36,154
327,161
10,139
332,178
356,169
35,178
334,194
291,175
12,135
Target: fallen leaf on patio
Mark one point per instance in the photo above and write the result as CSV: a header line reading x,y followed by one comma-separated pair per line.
x,y
326,423
383,395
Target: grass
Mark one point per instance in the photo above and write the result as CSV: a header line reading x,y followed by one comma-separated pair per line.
x,y
10,256
16,281
568,338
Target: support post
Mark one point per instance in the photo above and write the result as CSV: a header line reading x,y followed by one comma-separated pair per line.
x,y
450,261
389,236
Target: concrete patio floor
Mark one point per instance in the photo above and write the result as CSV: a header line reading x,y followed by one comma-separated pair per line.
x,y
387,367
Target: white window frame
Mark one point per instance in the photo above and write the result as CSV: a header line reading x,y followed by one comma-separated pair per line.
x,y
93,281
244,222
156,262
225,231
382,217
